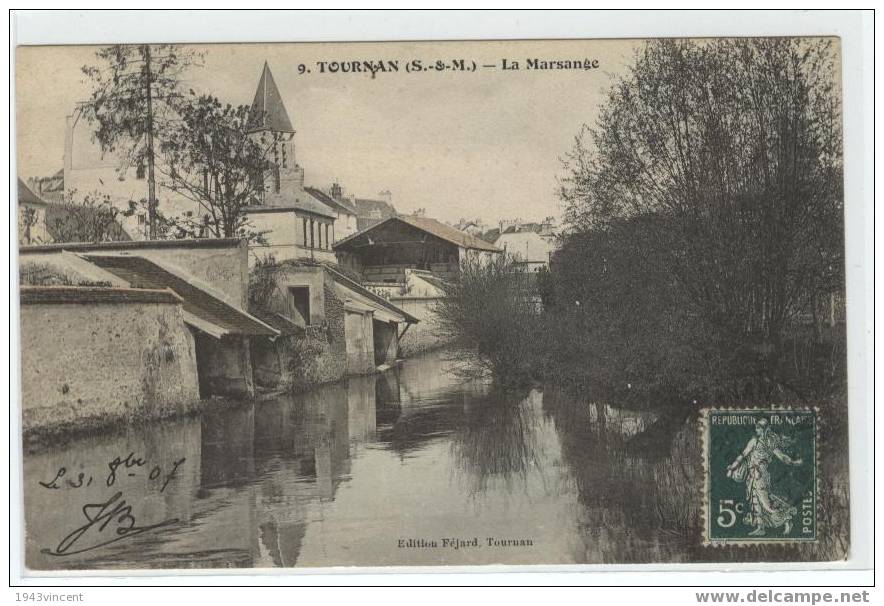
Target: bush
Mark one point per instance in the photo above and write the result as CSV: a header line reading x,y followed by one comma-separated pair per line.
x,y
620,324
43,274
491,313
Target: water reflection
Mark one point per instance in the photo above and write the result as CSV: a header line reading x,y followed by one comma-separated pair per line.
x,y
498,441
343,474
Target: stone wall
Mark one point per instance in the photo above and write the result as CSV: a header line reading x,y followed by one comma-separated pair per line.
x,y
302,361
334,318
221,264
424,335
225,365
99,361
359,330
333,361
224,268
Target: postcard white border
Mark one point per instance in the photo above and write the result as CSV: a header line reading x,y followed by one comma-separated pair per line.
x,y
855,30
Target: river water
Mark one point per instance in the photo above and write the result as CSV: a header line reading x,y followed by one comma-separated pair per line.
x,y
375,470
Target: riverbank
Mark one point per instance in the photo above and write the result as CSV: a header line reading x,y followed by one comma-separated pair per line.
x,y
49,426
39,433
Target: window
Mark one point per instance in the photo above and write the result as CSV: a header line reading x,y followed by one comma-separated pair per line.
x,y
327,245
300,304
312,235
276,179
305,231
139,170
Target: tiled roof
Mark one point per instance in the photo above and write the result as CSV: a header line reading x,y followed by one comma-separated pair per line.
x,y
367,208
26,196
143,273
331,202
513,229
491,235
363,223
94,294
49,188
446,232
307,204
277,321
268,110
432,227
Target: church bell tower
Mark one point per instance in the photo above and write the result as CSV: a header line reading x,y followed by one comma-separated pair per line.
x,y
284,183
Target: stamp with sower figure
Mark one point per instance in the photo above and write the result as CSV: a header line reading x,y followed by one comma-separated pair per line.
x,y
760,475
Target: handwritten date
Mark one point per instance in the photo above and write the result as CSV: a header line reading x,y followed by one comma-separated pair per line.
x,y
129,465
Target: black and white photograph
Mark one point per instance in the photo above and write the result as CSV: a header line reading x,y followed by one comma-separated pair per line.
x,y
306,305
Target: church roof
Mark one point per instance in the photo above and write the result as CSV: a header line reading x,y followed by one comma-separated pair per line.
x,y
268,110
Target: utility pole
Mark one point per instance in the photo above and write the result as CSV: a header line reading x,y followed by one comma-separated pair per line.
x,y
151,183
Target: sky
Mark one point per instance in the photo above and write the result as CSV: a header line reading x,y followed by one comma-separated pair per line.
x,y
486,144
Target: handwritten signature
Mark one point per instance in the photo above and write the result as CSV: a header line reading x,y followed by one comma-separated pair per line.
x,y
114,515
112,520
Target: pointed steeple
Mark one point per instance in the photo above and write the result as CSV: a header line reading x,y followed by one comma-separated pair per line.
x,y
268,110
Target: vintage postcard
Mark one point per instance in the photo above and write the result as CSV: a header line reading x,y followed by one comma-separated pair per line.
x,y
309,305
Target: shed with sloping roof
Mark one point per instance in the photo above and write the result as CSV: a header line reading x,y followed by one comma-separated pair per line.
x,y
383,252
221,330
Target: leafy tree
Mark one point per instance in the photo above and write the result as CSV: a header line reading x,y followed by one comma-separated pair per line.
x,y
134,102
729,153
218,161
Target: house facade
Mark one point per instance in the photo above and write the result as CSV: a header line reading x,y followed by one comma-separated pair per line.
x,y
346,221
527,248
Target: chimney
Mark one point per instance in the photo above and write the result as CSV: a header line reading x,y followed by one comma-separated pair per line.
x,y
386,196
336,191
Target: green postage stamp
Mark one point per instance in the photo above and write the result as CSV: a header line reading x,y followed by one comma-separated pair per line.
x,y
760,475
